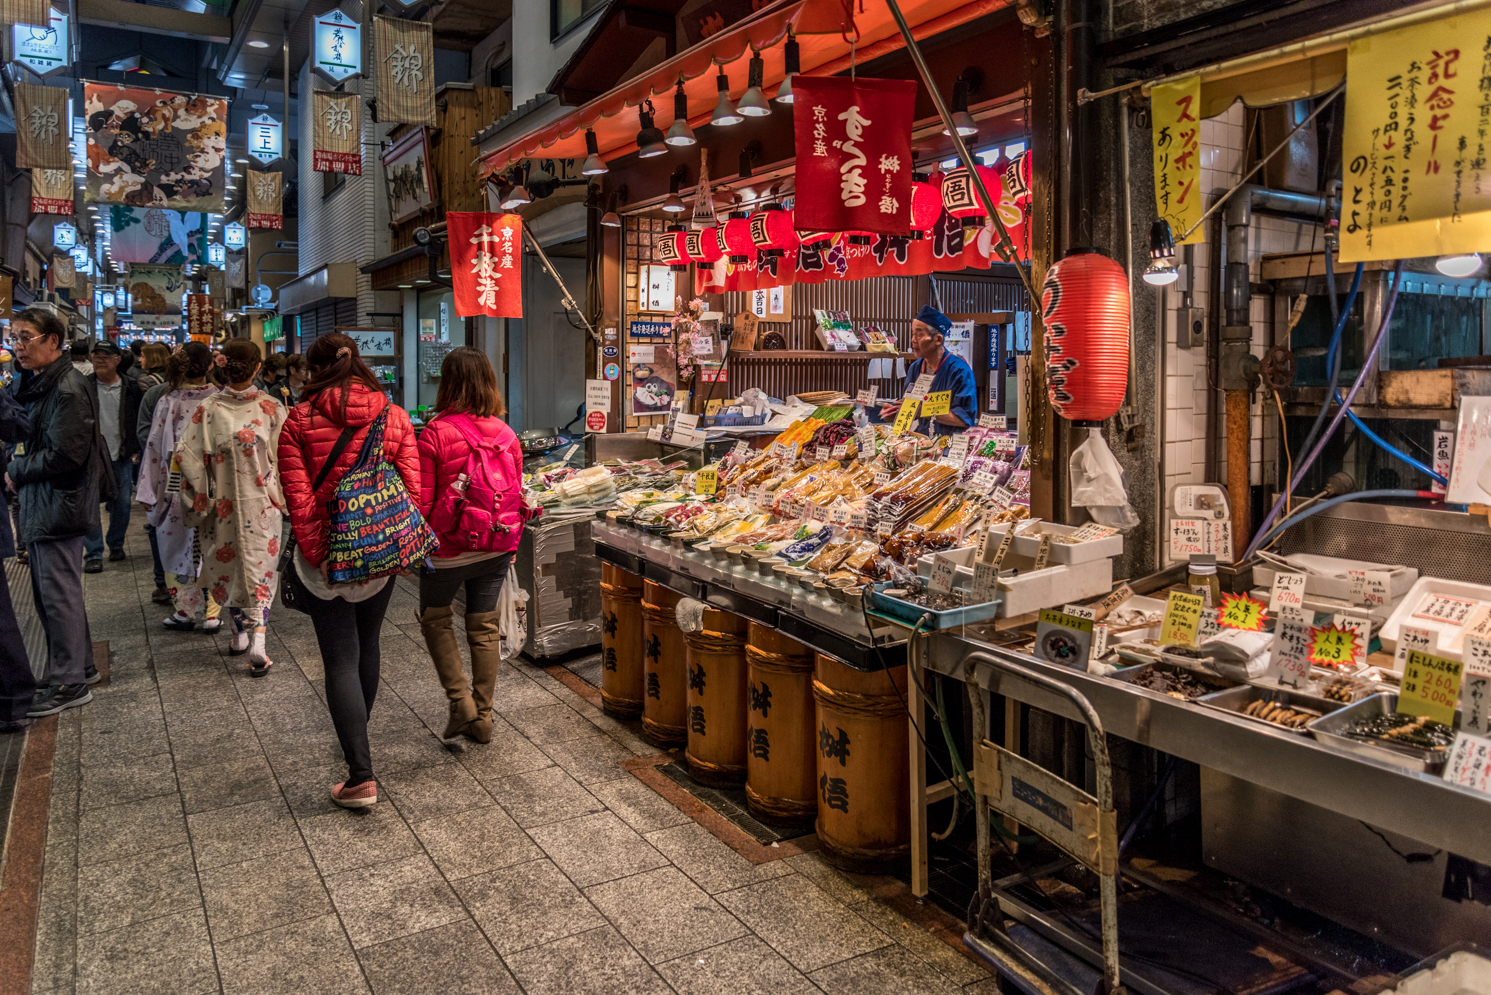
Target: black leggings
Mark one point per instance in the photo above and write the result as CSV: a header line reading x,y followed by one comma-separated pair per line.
x,y
348,637
483,580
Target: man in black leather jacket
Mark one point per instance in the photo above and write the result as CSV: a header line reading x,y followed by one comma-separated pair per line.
x,y
17,686
58,472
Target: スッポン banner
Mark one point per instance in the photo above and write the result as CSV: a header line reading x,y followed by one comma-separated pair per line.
x,y
853,153
486,263
151,148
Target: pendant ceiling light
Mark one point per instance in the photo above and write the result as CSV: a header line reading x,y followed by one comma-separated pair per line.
x,y
1159,275
725,113
1458,265
674,204
649,139
517,196
961,118
794,66
593,165
680,134
611,219
753,102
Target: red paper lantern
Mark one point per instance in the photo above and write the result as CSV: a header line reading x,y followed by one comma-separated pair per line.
x,y
772,232
703,246
735,238
1017,178
671,249
961,198
1085,307
926,208
817,241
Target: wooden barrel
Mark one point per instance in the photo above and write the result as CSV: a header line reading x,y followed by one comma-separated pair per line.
x,y
663,706
716,660
864,820
621,642
781,729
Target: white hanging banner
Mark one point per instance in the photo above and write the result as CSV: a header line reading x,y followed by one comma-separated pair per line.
x,y
41,48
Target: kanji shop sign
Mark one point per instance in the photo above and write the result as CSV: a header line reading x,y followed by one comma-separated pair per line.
x,y
266,138
337,46
853,153
1176,112
1416,178
486,263
42,48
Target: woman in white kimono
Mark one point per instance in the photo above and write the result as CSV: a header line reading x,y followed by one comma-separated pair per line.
x,y
230,490
187,374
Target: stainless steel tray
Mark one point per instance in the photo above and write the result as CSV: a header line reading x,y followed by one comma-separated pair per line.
x,y
1129,674
1330,729
1239,698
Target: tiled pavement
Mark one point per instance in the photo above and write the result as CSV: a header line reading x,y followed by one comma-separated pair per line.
x,y
192,847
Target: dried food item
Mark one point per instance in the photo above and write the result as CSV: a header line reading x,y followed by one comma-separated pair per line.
x,y
1343,689
1408,730
1175,683
1289,718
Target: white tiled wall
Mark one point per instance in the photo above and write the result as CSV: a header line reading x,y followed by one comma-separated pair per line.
x,y
1187,393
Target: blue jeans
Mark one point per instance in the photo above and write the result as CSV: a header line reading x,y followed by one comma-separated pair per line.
x,y
124,476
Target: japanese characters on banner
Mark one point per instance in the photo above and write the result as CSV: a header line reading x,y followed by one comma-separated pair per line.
x,y
336,45
405,71
155,289
486,263
1175,109
153,148
151,235
23,11
265,199
406,173
853,154
337,133
199,317
1416,177
51,191
41,127
236,271
63,272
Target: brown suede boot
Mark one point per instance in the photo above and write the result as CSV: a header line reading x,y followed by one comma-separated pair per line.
x,y
440,637
486,657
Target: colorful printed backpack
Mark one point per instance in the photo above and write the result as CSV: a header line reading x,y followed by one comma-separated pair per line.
x,y
376,528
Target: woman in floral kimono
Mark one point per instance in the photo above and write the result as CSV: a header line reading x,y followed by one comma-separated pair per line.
x,y
230,487
187,374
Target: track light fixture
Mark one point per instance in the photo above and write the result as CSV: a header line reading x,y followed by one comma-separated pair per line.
x,y
725,113
753,102
680,134
794,66
593,164
649,140
967,82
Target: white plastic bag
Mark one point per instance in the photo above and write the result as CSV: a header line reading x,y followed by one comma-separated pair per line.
x,y
512,618
1098,484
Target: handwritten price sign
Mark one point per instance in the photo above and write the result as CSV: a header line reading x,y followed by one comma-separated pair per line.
x,y
1182,619
1332,646
1431,687
1239,611
905,416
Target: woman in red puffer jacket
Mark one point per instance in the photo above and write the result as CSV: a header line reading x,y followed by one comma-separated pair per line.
x,y
341,397
469,405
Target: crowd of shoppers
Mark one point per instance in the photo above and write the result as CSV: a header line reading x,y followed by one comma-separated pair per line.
x,y
219,448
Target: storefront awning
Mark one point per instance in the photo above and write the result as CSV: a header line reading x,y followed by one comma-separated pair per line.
x,y
824,52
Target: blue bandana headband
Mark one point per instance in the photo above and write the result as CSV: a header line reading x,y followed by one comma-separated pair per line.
x,y
934,318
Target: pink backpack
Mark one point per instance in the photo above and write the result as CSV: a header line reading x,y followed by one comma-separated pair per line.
x,y
485,506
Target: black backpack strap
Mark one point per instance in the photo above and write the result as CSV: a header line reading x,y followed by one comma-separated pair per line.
x,y
343,441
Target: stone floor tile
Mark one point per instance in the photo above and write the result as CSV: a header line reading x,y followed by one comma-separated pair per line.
x,y
169,954
594,963
663,914
121,732
263,893
212,737
139,887
596,848
343,839
118,831
56,919
893,970
527,904
242,832
400,739
746,966
802,923
307,789
590,759
227,784
847,888
430,792
478,840
549,724
448,960
507,754
637,804
393,899
305,958
712,864
130,780
542,796
518,697
949,961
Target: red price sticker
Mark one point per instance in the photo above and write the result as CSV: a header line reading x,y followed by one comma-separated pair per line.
x,y
1431,687
1332,646
1240,611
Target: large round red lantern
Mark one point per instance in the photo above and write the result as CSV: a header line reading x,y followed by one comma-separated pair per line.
x,y
817,241
772,232
960,197
670,248
735,238
1017,178
1085,307
703,247
926,208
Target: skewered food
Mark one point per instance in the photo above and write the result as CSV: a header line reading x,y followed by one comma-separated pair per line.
x,y
1409,730
1270,711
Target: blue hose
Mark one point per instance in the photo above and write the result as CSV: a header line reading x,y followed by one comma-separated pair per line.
x,y
1354,496
1333,354
1361,427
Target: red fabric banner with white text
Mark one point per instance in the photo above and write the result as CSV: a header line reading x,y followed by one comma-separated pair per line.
x,y
486,263
853,153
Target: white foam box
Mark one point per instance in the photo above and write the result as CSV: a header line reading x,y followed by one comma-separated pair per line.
x,y
1031,590
1449,637
1061,552
1332,581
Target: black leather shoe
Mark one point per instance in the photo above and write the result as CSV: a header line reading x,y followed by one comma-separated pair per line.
x,y
115,555
93,566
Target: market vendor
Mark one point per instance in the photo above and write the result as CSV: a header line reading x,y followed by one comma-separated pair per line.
x,y
949,373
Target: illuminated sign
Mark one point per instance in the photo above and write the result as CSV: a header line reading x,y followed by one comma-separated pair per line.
x,y
64,235
266,138
337,45
216,254
235,236
41,49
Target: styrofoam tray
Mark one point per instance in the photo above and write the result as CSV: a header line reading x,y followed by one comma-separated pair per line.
x,y
1062,552
1032,590
1450,637
1400,578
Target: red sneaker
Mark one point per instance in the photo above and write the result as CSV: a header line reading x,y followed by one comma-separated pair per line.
x,y
362,796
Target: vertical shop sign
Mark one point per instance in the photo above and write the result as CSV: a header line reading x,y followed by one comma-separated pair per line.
x,y
853,154
1176,111
199,317
64,272
405,70
42,48
51,191
337,137
1418,117
42,127
265,200
337,46
485,264
266,138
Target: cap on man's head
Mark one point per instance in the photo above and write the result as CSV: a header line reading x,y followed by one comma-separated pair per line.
x,y
935,319
103,348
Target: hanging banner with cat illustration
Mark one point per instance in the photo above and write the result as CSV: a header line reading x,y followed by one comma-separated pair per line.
x,y
154,148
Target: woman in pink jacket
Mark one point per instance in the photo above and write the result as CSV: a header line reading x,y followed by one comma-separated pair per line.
x,y
471,484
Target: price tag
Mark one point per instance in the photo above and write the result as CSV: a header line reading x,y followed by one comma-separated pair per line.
x,y
824,453
759,496
840,515
866,396
733,491
919,389
1182,619
1469,764
818,514
939,403
1004,546
1063,639
1289,663
866,437
1475,695
906,415
985,582
882,477
1431,687
1043,554
1121,594
1363,629
1288,592
1332,646
706,482
1444,456
1295,614
957,449
1187,536
1239,611
1477,656
858,520
1443,608
883,527
568,453
1089,532
1219,539
1376,588
839,451
944,572
1099,640
1412,638
1002,496
1080,611
742,450
992,421
1208,627
1005,444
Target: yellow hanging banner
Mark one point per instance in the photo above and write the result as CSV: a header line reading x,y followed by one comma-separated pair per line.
x,y
1176,111
1417,177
